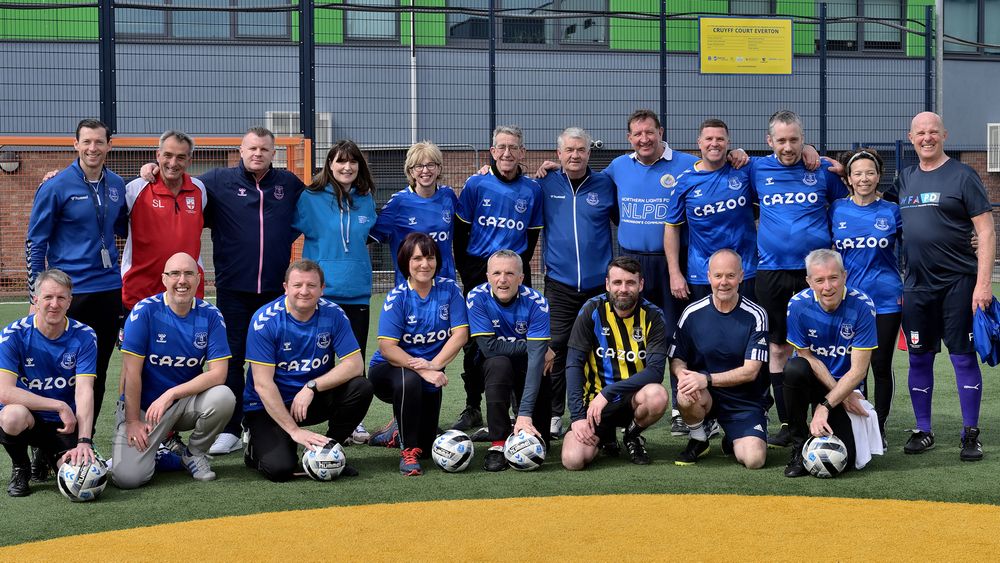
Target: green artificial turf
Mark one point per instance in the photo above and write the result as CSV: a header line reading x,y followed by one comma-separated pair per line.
x,y
172,497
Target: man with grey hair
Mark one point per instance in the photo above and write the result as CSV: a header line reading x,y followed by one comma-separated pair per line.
x,y
832,328
165,217
579,206
510,323
498,210
48,364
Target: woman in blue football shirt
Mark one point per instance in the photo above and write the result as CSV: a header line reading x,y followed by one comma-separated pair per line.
x,y
866,229
422,328
423,206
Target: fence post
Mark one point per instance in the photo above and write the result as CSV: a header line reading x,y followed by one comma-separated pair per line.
x,y
493,70
929,58
307,71
663,61
822,78
106,60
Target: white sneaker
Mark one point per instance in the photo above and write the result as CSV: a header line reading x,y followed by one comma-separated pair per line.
x,y
226,443
556,426
198,465
360,435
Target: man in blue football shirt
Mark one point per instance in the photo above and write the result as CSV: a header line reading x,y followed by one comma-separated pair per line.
x,y
715,201
48,364
174,362
579,207
718,352
794,220
832,328
510,323
496,211
305,368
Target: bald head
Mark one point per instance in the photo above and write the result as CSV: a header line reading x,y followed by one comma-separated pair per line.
x,y
927,134
180,262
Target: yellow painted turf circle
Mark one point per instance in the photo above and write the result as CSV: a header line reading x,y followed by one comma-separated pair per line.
x,y
606,528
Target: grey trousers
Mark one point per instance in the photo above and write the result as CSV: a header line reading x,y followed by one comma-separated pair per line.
x,y
205,414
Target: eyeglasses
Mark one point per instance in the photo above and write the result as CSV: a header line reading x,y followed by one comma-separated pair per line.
x,y
504,148
176,274
431,166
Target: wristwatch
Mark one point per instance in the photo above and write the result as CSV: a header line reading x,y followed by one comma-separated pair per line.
x,y
311,385
826,403
708,378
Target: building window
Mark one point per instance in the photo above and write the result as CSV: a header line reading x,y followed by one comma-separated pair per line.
x,y
371,26
528,22
962,20
204,25
878,33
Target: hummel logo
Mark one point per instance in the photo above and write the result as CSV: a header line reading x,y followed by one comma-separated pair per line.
x,y
496,323
974,387
769,182
812,333
925,390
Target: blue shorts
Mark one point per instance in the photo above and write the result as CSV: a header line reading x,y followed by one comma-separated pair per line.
x,y
739,420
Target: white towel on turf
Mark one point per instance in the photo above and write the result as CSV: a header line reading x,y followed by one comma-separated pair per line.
x,y
867,437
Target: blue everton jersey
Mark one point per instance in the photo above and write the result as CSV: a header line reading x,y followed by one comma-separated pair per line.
x,y
793,211
832,336
718,209
407,212
499,213
643,196
708,340
578,228
174,349
866,238
526,317
48,368
298,351
421,325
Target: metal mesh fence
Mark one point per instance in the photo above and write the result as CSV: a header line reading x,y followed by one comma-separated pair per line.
x,y
387,73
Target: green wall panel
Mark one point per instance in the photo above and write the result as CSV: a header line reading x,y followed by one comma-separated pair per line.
x,y
803,35
431,28
56,24
916,10
634,35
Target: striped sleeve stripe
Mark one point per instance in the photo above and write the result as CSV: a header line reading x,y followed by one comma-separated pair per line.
x,y
387,338
10,372
758,355
798,346
132,354
86,375
344,357
218,359
860,348
483,333
759,315
699,304
260,363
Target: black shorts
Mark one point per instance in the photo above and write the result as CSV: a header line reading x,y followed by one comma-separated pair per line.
x,y
616,414
44,436
775,289
930,316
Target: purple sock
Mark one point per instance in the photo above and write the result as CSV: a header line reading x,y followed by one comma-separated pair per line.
x,y
921,382
970,386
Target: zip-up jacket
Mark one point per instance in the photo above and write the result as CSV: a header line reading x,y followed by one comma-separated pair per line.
x,y
578,228
70,223
251,222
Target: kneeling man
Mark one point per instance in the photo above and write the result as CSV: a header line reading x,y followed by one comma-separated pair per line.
x,y
614,370
832,328
292,346
174,361
718,351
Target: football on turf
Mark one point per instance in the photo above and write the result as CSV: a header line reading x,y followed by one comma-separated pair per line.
x,y
326,463
825,456
452,451
83,483
524,452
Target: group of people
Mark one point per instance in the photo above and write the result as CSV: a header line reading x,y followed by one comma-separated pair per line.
x,y
703,241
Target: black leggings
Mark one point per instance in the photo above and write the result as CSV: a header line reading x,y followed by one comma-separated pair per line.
x,y
415,406
360,319
802,390
503,378
100,311
887,328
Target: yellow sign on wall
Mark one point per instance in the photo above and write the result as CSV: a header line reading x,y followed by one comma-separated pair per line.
x,y
745,45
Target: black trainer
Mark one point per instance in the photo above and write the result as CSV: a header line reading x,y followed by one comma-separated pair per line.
x,y
39,466
495,461
695,450
795,467
677,426
611,448
636,448
470,418
782,439
919,442
481,435
349,471
972,450
18,486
